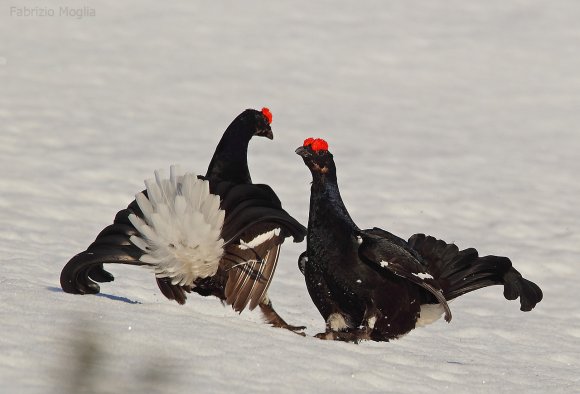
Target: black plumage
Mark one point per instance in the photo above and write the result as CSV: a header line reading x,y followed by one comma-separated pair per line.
x,y
243,274
371,284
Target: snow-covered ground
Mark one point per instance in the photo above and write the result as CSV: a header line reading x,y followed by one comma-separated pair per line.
x,y
455,118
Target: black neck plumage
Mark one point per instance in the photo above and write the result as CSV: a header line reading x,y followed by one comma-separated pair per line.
x,y
230,160
326,205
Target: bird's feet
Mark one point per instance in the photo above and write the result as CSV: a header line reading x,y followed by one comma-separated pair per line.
x,y
354,335
344,336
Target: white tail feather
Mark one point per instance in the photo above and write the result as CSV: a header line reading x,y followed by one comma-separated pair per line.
x,y
430,313
180,232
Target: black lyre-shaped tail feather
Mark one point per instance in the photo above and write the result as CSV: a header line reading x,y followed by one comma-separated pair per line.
x,y
112,246
462,271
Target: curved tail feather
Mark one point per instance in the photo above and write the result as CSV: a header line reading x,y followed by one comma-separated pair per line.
x,y
517,286
79,275
463,271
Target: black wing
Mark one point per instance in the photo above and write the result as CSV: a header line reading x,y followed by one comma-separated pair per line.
x,y
385,254
250,265
254,228
249,204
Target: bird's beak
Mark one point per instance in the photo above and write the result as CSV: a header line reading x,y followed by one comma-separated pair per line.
x,y
266,133
302,151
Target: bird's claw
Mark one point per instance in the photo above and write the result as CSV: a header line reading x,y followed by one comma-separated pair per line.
x,y
354,336
327,335
295,329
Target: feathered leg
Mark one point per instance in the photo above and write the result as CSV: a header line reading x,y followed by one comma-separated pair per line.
x,y
273,318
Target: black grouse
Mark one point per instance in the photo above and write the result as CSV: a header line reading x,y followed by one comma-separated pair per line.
x,y
371,284
217,234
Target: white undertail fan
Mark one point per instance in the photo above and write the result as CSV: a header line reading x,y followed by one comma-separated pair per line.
x,y
180,231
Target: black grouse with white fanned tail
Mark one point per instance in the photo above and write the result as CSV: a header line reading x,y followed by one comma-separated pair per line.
x,y
371,284
217,234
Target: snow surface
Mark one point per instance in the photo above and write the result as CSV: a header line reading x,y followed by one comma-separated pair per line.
x,y
455,118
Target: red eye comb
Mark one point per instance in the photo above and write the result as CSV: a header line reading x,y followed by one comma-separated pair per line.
x,y
267,114
316,144
319,144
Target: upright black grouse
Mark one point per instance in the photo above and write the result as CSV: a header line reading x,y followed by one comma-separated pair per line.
x,y
371,284
217,234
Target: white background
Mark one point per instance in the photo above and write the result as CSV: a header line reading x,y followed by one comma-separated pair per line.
x,y
455,118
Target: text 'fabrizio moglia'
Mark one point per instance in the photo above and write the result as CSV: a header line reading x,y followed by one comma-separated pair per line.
x,y
66,12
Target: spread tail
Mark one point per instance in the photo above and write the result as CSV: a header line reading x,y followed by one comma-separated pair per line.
x,y
173,227
463,271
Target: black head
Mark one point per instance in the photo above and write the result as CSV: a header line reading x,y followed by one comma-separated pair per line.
x,y
254,123
317,158
230,160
